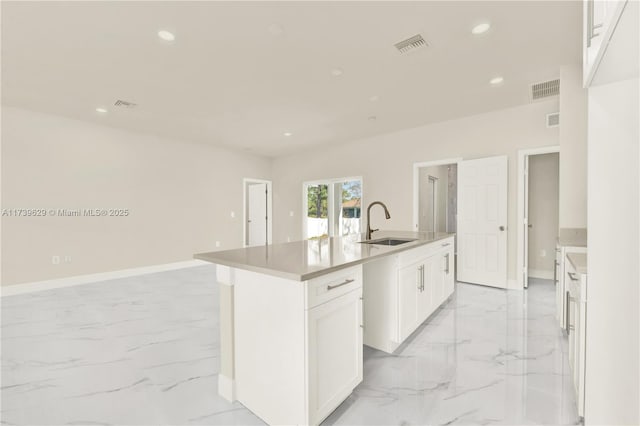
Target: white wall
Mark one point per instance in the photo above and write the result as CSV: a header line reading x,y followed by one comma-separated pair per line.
x,y
543,213
573,149
180,196
613,322
386,164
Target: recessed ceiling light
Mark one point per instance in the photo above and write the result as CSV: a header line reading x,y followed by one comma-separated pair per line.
x,y
101,110
166,35
288,133
336,72
374,98
481,28
496,80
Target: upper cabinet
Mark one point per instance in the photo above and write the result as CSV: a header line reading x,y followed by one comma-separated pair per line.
x,y
600,21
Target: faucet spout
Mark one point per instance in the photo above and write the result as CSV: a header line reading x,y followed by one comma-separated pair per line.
x,y
386,215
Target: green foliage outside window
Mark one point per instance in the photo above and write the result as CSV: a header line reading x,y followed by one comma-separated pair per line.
x,y
317,199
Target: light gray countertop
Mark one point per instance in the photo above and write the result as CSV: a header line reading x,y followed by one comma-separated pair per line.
x,y
579,261
572,237
303,260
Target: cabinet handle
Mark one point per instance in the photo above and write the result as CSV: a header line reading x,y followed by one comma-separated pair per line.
x,y
331,287
420,277
567,319
572,276
566,313
446,244
447,269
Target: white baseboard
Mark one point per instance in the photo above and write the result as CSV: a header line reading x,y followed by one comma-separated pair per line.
x,y
15,289
540,273
226,388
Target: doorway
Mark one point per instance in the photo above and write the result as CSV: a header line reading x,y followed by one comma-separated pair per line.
x,y
257,212
437,198
538,205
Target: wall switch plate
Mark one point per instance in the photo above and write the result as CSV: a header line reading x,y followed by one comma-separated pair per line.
x,y
291,213
543,253
217,243
55,260
233,214
288,239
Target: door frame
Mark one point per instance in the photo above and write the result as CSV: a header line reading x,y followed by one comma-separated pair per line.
x,y
416,183
245,183
521,194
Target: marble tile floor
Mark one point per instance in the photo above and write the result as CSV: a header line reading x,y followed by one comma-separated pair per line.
x,y
144,351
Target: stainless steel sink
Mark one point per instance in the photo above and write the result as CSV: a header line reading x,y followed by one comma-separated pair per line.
x,y
390,241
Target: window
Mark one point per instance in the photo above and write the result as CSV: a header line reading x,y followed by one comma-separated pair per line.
x,y
332,207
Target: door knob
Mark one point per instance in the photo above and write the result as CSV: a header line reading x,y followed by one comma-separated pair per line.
x,y
501,228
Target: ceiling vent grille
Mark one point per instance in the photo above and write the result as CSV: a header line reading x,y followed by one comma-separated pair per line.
x,y
545,89
125,104
410,44
553,119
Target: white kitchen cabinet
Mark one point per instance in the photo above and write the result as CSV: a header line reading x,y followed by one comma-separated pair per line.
x,y
569,241
434,284
403,292
576,330
600,20
334,348
448,276
298,345
409,291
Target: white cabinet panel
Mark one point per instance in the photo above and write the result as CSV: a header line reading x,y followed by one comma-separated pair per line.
x,y
600,21
448,278
334,353
405,294
433,285
409,284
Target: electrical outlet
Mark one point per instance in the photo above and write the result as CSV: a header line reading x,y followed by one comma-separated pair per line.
x,y
291,213
217,243
233,215
67,259
288,239
543,253
55,260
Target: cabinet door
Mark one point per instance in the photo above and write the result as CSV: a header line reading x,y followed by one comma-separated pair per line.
x,y
334,351
428,297
438,274
409,286
448,278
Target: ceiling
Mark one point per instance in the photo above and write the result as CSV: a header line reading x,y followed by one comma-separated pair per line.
x,y
241,74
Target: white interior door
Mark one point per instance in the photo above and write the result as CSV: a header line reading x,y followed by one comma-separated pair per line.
x,y
257,214
482,221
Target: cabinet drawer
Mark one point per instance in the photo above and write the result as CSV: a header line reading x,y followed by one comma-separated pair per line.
x,y
330,286
414,255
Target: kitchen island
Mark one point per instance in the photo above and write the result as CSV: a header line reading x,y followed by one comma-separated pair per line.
x,y
294,316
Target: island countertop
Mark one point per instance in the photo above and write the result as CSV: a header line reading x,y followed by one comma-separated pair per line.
x,y
303,260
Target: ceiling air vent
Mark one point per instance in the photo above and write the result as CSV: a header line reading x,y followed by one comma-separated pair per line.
x,y
410,44
545,89
125,104
553,119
